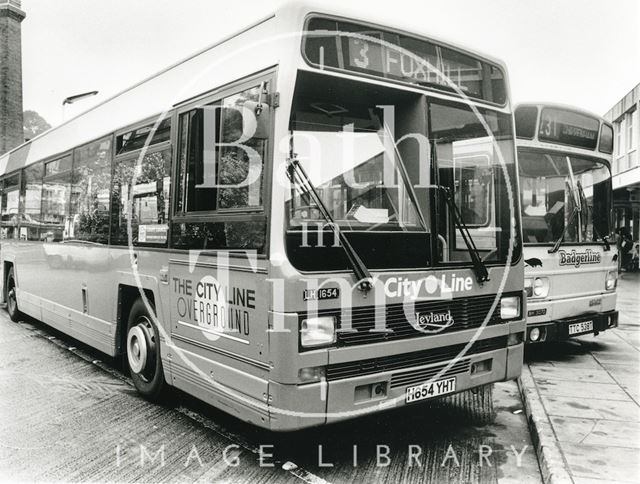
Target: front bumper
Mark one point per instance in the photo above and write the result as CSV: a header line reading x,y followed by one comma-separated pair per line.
x,y
559,330
345,398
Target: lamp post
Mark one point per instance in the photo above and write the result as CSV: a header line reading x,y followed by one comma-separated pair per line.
x,y
75,98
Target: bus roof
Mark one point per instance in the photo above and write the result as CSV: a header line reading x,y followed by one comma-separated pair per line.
x,y
195,75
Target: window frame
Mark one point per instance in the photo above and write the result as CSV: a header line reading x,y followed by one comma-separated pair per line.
x,y
22,205
436,220
141,124
134,155
556,152
605,126
630,139
259,213
148,122
620,138
18,173
111,137
45,162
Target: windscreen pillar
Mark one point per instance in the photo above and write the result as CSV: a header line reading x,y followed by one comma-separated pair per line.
x,y
11,121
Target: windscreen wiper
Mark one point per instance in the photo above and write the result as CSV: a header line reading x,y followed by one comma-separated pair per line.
x,y
576,209
556,246
298,176
583,200
479,267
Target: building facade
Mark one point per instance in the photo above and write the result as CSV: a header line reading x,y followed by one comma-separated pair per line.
x,y
11,122
625,118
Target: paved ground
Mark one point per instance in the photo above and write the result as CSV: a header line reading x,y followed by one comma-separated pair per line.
x,y
590,391
68,414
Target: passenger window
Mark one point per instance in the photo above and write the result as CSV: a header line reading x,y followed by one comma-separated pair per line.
x,y
10,207
141,194
31,202
56,189
90,193
137,138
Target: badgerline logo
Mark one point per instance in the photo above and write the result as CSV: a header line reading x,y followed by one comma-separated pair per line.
x,y
576,259
434,322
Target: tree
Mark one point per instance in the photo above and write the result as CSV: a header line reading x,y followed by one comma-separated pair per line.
x,y
34,124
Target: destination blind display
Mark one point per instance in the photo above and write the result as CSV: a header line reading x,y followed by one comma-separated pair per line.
x,y
569,128
365,50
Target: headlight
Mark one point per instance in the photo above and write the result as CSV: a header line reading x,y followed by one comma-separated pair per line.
x,y
510,307
318,331
612,280
537,287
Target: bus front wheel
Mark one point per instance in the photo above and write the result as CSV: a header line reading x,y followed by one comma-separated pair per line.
x,y
143,353
12,302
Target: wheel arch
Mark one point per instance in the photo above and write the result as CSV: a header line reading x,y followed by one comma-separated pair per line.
x,y
127,295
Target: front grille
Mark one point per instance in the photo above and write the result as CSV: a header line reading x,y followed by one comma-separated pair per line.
x,y
467,313
421,375
408,360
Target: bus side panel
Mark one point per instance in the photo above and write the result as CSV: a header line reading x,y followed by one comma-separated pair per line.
x,y
219,323
67,287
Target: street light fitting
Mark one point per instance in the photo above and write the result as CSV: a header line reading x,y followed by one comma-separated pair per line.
x,y
78,97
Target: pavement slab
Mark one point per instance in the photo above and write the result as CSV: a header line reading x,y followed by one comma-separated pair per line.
x,y
578,390
610,433
590,375
607,463
625,411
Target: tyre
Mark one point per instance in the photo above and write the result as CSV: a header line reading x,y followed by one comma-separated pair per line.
x,y
10,297
143,353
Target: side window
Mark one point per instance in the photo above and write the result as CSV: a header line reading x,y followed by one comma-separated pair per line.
x,y
221,152
90,193
141,195
137,138
606,139
241,161
526,118
10,206
31,202
197,160
56,189
473,178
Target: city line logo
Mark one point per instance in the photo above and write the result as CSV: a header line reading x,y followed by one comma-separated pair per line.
x,y
574,258
434,322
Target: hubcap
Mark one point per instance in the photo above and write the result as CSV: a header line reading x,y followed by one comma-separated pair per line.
x,y
12,300
137,349
141,349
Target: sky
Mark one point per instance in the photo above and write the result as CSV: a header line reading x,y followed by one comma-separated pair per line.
x,y
580,52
